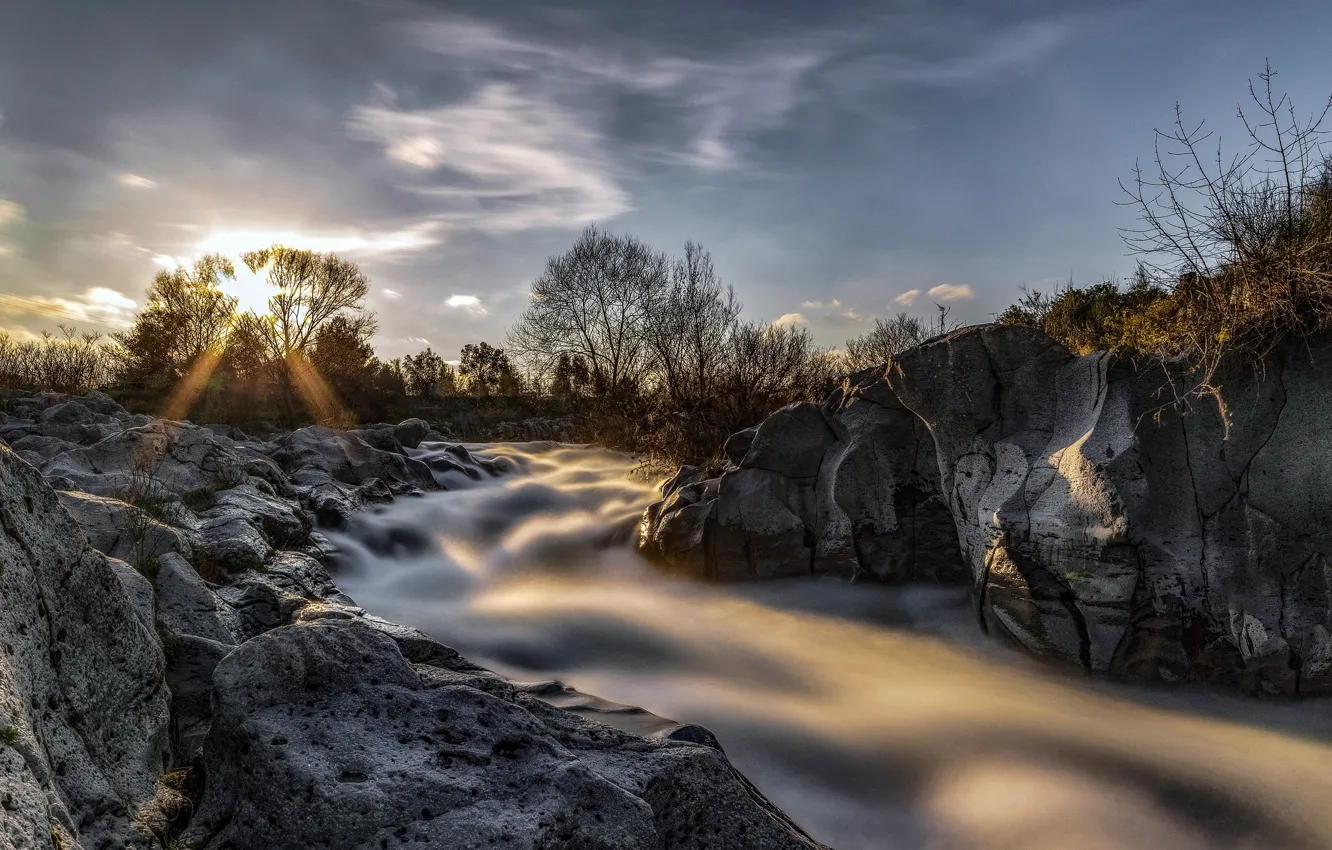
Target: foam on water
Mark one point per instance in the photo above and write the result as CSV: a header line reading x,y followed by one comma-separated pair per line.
x,y
876,717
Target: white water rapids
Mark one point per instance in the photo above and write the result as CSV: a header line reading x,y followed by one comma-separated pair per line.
x,y
877,717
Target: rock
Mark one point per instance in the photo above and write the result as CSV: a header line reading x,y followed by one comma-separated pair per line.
x,y
848,489
790,442
80,683
185,603
190,678
1105,530
316,456
171,459
252,604
411,433
244,526
304,708
738,445
121,531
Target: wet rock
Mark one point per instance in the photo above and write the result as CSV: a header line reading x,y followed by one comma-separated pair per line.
x,y
316,456
411,433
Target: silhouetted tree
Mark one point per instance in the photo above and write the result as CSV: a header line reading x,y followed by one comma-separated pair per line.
x,y
487,370
312,290
423,373
595,302
186,315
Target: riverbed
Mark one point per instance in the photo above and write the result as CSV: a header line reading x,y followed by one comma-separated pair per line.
x,y
877,717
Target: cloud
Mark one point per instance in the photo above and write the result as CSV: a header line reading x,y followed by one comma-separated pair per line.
x,y
814,305
391,294
715,104
950,292
967,53
11,212
233,243
470,303
97,305
906,299
503,159
134,181
790,319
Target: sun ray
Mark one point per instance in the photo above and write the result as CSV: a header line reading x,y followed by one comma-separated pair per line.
x,y
318,396
187,389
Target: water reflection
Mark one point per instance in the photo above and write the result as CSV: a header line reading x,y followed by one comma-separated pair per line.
x,y
877,717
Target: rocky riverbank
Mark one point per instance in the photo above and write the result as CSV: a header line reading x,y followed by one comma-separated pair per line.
x,y
179,666
1097,522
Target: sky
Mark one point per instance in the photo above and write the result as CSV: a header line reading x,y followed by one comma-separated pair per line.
x,y
841,160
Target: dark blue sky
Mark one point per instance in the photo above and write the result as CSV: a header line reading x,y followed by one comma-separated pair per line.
x,y
834,156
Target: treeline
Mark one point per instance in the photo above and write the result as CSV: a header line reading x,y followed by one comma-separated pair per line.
x,y
650,351
308,358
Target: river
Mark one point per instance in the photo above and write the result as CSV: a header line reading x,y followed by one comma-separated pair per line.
x,y
877,717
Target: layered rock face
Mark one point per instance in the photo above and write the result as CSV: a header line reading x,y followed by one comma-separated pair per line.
x,y
228,656
1098,522
848,488
1104,525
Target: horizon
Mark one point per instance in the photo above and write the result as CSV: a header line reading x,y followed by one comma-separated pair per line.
x,y
840,162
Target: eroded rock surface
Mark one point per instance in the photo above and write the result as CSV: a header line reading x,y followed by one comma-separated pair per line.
x,y
1107,527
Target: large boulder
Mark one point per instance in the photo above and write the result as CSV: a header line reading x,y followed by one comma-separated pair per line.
x,y
1106,526
83,704
849,489
370,750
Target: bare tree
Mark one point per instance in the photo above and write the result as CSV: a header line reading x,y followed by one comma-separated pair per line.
x,y
884,341
595,302
691,325
1243,240
768,366
311,288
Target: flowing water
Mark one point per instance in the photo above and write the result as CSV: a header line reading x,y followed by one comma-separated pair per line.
x,y
876,717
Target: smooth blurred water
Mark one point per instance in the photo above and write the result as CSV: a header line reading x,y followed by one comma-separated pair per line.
x,y
876,717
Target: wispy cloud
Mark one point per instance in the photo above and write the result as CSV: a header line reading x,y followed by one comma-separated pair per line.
x,y
97,305
951,292
391,294
369,242
814,305
501,160
135,181
906,299
12,214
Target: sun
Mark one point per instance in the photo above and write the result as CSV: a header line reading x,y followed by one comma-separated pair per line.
x,y
250,290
